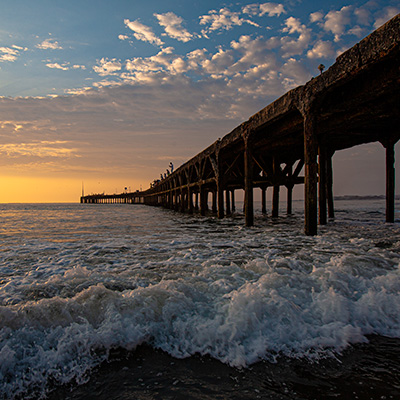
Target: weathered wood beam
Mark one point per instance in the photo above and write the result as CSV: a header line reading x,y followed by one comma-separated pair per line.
x,y
214,165
232,165
278,182
265,166
288,167
298,168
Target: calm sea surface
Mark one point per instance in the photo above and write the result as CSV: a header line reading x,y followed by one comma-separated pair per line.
x,y
80,283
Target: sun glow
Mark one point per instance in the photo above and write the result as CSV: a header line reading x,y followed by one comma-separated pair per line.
x,y
17,189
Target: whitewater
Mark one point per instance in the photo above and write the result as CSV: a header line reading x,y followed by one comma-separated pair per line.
x,y
79,280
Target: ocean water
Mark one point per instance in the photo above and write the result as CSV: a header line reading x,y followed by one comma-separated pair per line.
x,y
78,281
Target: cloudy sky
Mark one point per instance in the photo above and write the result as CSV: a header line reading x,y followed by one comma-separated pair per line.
x,y
109,92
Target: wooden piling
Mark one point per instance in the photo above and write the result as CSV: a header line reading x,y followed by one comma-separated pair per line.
x,y
214,194
275,202
322,185
264,200
184,201
248,185
203,200
390,180
220,199
196,204
228,202
289,188
275,193
329,186
310,178
190,200
176,200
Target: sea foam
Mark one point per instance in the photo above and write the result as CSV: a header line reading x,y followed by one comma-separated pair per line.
x,y
237,295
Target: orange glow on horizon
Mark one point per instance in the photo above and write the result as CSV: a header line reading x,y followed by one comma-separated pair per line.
x,y
17,189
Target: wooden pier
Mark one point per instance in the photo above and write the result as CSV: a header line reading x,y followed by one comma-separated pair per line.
x,y
120,198
356,101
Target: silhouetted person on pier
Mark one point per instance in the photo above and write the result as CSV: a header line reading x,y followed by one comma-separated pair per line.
x,y
167,172
172,167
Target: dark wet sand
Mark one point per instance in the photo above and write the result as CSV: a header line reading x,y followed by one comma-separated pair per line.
x,y
365,371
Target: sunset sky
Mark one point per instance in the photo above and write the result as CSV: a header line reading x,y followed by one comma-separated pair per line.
x,y
107,93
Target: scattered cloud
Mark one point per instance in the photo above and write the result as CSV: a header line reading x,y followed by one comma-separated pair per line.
x,y
173,26
356,31
321,49
107,67
143,32
178,127
293,73
40,149
63,67
363,15
272,9
316,16
283,57
195,58
253,52
219,64
149,69
224,19
232,80
336,21
10,54
11,126
242,58
386,14
353,21
19,47
49,44
293,46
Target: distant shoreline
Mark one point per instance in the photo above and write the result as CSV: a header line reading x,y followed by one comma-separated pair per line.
x,y
367,197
